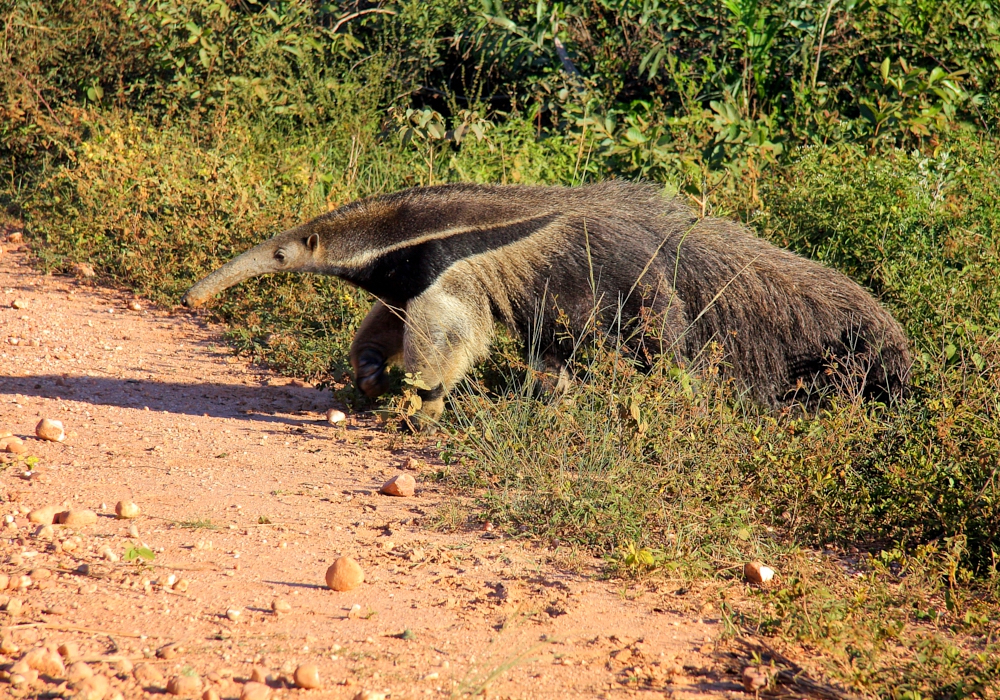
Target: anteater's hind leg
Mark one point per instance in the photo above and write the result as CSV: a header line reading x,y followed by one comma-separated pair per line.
x,y
377,344
447,330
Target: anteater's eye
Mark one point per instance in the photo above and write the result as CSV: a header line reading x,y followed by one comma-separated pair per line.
x,y
280,256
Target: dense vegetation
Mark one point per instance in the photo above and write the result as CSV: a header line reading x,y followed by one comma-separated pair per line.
x,y
156,139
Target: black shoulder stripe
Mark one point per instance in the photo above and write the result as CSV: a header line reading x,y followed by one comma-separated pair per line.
x,y
403,273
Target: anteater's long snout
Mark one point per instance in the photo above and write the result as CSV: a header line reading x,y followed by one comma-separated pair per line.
x,y
254,262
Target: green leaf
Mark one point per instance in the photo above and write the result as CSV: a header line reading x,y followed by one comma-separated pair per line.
x,y
884,69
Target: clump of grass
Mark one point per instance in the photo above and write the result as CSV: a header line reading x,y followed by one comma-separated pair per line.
x,y
197,524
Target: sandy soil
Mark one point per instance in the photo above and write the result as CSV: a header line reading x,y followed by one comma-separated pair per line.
x,y
248,495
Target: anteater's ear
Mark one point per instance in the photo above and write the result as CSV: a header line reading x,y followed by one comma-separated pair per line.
x,y
312,242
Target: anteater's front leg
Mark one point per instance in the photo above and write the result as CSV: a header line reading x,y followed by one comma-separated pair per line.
x,y
448,329
377,344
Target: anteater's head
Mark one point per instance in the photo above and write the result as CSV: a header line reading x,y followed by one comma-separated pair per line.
x,y
296,250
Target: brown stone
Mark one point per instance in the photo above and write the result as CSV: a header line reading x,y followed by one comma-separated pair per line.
x,y
307,676
51,430
147,674
92,688
83,270
47,663
186,686
126,510
255,691
755,679
400,485
13,445
77,518
344,574
169,651
756,572
78,671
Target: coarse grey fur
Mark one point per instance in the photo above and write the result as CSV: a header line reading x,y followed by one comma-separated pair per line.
x,y
448,262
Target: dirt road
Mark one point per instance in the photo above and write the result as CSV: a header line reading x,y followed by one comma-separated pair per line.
x,y
248,495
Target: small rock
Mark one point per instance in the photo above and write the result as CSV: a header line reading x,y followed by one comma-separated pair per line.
x,y
126,510
181,586
40,574
45,532
19,304
755,679
184,685
255,691
56,610
147,674
7,646
77,518
413,464
15,238
92,688
14,606
123,666
169,651
307,676
354,612
108,553
68,650
400,485
756,572
134,305
258,674
13,445
280,606
46,662
133,531
333,416
51,430
210,694
344,574
4,582
44,515
78,671
234,614
83,270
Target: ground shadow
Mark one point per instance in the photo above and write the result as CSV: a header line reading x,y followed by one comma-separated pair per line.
x,y
296,584
215,400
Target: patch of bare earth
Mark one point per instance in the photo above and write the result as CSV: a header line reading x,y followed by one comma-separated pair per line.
x,y
248,495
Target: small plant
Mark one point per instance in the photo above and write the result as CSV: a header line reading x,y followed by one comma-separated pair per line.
x,y
138,553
